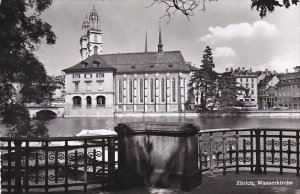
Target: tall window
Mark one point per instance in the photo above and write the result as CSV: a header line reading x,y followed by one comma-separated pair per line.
x,y
88,101
95,38
130,91
151,90
162,90
95,49
76,86
120,91
184,87
88,86
141,90
173,90
100,84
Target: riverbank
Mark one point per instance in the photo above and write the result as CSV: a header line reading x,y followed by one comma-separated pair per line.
x,y
270,114
275,114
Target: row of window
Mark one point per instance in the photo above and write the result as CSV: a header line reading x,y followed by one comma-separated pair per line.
x,y
288,87
163,85
78,102
247,100
88,85
88,75
247,79
247,85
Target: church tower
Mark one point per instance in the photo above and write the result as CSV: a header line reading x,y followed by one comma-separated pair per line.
x,y
91,40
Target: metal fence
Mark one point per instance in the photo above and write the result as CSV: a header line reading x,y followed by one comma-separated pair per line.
x,y
58,164
65,164
254,150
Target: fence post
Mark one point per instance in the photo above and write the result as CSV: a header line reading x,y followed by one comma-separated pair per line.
x,y
258,169
18,168
111,162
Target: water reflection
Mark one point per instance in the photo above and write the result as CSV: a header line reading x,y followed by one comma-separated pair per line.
x,y
71,126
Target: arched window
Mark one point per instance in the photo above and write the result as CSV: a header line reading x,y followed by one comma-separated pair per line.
x,y
173,90
151,90
141,90
120,90
162,85
95,38
95,49
130,91
100,101
184,87
88,101
76,101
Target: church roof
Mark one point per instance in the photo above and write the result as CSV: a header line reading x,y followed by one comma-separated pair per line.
x,y
168,61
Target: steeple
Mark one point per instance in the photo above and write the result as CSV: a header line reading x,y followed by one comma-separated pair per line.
x,y
146,45
160,45
94,19
91,39
85,25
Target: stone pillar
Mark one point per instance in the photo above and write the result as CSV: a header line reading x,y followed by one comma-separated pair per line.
x,y
158,154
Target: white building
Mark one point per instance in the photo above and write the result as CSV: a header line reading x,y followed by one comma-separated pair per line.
x,y
106,85
248,80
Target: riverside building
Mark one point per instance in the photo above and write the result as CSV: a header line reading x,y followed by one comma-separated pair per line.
x,y
288,90
248,80
105,85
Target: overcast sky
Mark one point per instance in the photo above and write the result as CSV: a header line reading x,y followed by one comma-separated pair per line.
x,y
236,34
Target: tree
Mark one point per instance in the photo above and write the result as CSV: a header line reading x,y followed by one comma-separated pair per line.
x,y
203,82
21,32
187,7
228,91
209,77
209,86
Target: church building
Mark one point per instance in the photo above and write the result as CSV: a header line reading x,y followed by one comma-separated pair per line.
x,y
112,85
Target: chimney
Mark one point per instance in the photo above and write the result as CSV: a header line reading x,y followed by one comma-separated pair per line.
x,y
266,72
243,69
250,70
226,69
274,72
286,71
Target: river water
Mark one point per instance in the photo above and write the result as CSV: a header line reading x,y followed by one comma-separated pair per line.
x,y
71,126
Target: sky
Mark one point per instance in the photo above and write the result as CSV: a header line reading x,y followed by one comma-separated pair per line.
x,y
237,35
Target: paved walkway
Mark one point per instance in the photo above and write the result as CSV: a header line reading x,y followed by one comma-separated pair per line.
x,y
229,185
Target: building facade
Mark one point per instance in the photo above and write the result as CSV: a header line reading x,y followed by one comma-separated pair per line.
x,y
248,80
288,90
103,85
267,90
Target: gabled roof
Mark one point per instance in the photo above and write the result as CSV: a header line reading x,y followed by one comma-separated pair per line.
x,y
92,63
289,78
167,61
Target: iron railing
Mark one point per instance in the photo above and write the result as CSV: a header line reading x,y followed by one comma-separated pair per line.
x,y
47,165
58,164
255,150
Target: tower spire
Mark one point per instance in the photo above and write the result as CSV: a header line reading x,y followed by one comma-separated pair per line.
x,y
160,45
146,43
